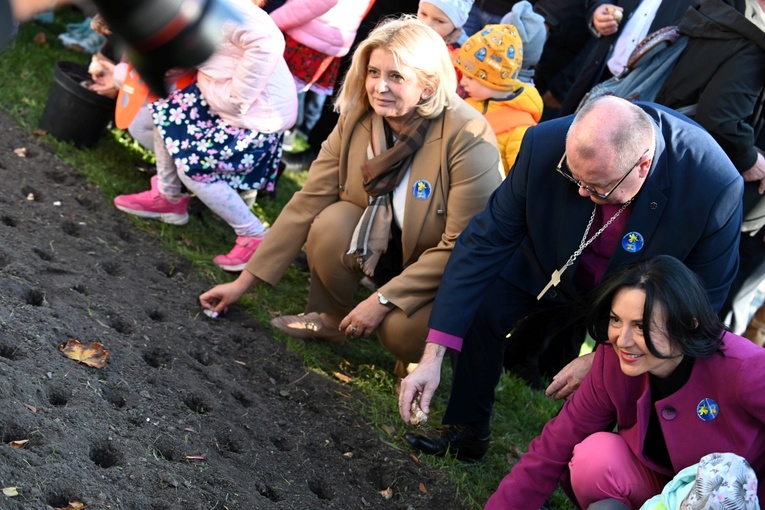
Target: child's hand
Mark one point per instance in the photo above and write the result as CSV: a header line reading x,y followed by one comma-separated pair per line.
x,y
102,72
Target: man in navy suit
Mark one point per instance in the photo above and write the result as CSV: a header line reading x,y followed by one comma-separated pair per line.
x,y
588,194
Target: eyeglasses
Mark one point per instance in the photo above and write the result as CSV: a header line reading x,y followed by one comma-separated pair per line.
x,y
590,190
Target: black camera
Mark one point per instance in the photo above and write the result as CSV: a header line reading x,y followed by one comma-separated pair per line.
x,y
163,34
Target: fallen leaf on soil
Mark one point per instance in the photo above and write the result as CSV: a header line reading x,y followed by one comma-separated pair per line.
x,y
342,377
31,197
73,505
348,455
195,457
93,354
423,489
21,152
31,407
414,458
240,362
40,38
387,493
18,444
39,132
10,491
389,429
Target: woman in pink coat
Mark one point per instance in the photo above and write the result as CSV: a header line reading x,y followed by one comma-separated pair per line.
x,y
675,383
223,133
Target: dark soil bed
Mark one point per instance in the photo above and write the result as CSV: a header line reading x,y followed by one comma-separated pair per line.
x,y
189,412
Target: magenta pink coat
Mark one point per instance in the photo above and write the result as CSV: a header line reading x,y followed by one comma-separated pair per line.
x,y
734,379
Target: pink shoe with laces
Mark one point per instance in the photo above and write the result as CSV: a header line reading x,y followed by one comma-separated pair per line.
x,y
152,204
238,257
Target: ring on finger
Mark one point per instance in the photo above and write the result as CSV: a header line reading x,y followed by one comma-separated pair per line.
x,y
353,330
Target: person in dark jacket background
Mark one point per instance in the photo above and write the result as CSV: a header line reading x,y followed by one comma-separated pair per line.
x,y
722,71
594,67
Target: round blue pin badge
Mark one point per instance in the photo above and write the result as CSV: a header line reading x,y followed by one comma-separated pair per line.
x,y
421,190
707,409
633,241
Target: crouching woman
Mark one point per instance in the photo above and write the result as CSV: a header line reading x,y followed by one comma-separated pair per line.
x,y
677,385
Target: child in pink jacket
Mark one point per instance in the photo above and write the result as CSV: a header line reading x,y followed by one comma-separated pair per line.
x,y
223,133
317,33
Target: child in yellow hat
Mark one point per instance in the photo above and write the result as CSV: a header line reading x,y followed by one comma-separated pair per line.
x,y
490,62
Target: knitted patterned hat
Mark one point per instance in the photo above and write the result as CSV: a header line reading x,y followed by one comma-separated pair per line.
x,y
493,57
456,10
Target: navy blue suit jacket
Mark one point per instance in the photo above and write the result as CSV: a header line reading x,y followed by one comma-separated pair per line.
x,y
688,207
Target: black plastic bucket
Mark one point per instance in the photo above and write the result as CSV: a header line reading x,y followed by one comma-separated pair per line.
x,y
73,113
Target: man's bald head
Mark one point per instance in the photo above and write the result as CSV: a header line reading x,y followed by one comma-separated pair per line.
x,y
610,129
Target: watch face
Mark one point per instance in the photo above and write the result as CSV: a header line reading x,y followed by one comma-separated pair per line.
x,y
382,299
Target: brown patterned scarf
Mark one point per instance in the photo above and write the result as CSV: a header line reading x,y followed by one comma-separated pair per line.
x,y
383,171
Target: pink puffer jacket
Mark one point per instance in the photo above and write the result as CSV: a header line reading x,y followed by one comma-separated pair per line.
x,y
328,26
246,81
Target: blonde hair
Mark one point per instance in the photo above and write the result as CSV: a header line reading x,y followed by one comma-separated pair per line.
x,y
414,45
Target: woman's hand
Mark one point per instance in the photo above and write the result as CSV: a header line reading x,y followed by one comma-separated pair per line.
x,y
219,297
365,318
423,381
606,18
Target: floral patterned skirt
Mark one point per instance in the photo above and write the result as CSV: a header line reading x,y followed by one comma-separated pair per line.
x,y
207,149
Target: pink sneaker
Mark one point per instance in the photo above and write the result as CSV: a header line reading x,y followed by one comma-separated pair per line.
x,y
152,204
238,257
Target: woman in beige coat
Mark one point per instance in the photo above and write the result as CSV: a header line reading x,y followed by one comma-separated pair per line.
x,y
406,167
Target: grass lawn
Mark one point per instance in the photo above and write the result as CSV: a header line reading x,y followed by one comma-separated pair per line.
x,y
26,75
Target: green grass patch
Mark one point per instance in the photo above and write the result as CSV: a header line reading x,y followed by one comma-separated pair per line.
x,y
26,76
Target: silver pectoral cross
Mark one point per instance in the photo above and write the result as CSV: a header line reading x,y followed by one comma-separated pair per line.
x,y
554,281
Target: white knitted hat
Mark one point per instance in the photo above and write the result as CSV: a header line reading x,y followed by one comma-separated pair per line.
x,y
456,10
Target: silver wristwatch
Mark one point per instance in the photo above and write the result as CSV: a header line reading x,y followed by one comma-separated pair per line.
x,y
383,300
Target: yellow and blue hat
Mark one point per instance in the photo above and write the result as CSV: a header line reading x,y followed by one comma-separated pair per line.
x,y
493,57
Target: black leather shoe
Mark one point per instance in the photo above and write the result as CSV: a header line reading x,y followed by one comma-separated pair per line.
x,y
461,440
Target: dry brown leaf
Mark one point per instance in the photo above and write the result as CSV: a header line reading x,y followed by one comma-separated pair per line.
x,y
39,132
348,455
21,152
30,407
342,377
93,354
10,491
415,458
73,505
387,493
18,444
40,38
423,489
